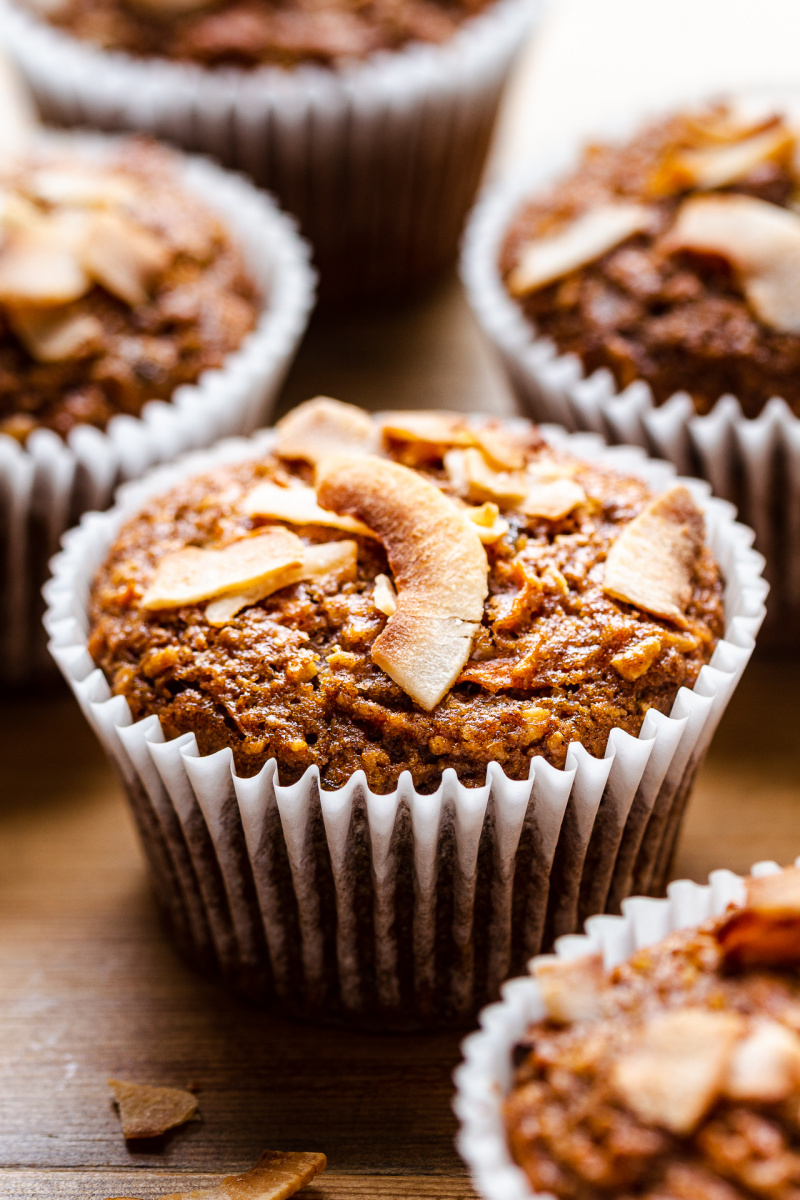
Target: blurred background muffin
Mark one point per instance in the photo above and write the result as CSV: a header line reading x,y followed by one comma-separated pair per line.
x,y
650,294
370,122
148,304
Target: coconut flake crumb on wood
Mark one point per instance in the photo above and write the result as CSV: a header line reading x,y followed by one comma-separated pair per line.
x,y
148,1112
650,565
438,563
276,1176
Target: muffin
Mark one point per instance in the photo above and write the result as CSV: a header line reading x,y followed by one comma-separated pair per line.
x,y
668,260
370,122
145,289
674,1073
128,275
420,653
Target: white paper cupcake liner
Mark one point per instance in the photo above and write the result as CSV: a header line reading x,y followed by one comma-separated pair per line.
x,y
403,909
379,160
753,462
485,1077
48,483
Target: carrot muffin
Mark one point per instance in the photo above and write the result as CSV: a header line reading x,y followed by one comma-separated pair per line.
x,y
251,33
413,592
675,1076
116,287
673,259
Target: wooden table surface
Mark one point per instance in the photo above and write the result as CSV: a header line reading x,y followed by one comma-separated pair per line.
x,y
91,987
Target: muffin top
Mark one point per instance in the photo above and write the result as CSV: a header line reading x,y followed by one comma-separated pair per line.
x,y
116,286
675,1076
252,33
673,259
412,592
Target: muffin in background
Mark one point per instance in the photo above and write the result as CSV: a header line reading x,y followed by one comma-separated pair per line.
x,y
646,291
651,1065
148,304
403,697
371,124
144,288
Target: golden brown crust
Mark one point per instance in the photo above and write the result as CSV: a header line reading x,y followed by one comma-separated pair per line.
x,y
553,659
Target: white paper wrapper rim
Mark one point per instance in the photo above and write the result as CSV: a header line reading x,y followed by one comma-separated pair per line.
x,y
603,823
485,1075
48,483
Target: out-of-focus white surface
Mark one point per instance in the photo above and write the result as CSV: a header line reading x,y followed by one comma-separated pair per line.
x,y
594,60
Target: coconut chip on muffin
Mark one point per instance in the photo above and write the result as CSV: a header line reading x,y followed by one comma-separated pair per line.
x,y
116,287
377,609
673,259
677,1073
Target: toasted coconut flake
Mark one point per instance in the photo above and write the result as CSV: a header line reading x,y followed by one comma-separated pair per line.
x,y
329,560
298,506
52,335
499,448
678,1068
190,575
78,184
584,240
721,165
761,242
384,596
38,269
488,522
323,426
471,474
552,499
765,1067
438,563
433,433
650,565
124,258
433,428
572,989
276,1176
766,930
637,659
148,1112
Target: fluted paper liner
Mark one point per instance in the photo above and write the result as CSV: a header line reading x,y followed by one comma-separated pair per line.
x,y
485,1077
379,160
753,462
404,909
48,483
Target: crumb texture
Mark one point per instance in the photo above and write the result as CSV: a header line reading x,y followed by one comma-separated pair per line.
x,y
291,674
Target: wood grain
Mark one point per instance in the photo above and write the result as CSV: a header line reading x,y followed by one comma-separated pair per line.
x,y
95,1185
